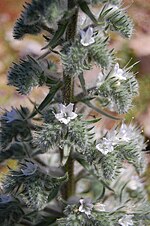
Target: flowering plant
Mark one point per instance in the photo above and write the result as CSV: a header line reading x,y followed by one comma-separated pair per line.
x,y
66,175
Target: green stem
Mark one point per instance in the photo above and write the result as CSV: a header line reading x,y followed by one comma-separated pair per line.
x,y
69,187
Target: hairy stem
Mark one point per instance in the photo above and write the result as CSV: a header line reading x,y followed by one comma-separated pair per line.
x,y
69,187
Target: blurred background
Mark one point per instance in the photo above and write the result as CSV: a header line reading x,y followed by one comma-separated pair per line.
x,y
138,48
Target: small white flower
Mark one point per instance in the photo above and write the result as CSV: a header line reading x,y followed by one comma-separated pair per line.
x,y
99,207
5,198
105,146
124,133
85,207
126,220
66,113
87,37
118,73
29,169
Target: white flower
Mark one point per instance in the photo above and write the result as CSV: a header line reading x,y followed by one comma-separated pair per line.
x,y
124,133
66,113
29,169
105,146
85,207
87,37
118,73
126,220
99,207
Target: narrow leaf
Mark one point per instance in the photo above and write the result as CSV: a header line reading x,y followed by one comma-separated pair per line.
x,y
89,104
58,34
84,7
47,99
53,193
82,82
107,186
93,120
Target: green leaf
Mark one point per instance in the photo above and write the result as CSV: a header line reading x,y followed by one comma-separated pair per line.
x,y
53,193
47,99
89,104
107,186
98,189
93,120
57,36
82,82
84,7
66,153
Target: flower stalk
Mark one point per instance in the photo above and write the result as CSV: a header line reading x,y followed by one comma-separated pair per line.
x,y
69,187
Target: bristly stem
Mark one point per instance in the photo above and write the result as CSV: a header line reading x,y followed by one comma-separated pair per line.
x,y
69,187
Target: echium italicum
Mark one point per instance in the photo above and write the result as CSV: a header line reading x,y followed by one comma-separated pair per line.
x,y
84,180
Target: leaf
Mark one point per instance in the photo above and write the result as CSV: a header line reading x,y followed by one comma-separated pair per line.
x,y
89,104
98,189
84,7
85,164
66,153
58,34
93,120
53,193
47,99
107,186
82,82
46,221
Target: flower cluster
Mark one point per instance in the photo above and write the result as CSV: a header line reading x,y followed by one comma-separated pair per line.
x,y
66,113
39,192
124,143
114,87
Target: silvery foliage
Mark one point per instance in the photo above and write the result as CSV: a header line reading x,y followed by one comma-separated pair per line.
x,y
115,147
114,86
31,188
34,192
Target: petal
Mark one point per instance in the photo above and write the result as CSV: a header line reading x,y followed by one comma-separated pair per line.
x,y
62,108
69,107
116,67
65,120
87,211
89,32
87,41
59,116
73,115
82,33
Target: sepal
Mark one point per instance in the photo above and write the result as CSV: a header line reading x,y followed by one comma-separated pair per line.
x,y
10,210
117,20
14,125
27,74
20,29
114,87
75,59
36,14
100,54
106,158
